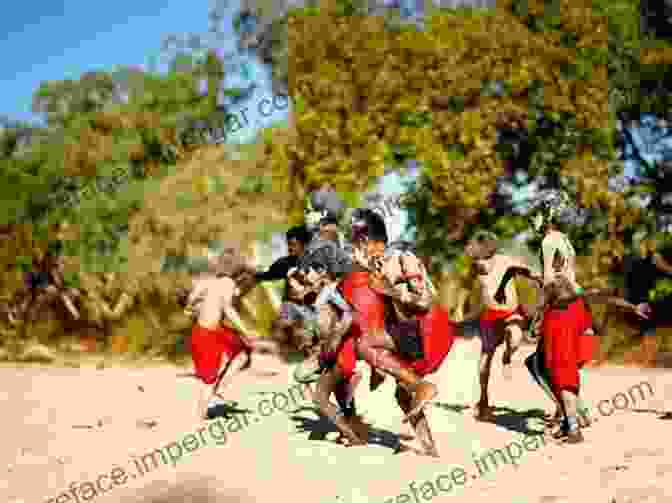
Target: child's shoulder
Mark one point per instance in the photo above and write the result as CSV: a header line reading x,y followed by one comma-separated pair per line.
x,y
212,281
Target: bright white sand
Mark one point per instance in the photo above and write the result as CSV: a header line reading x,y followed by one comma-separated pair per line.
x,y
283,458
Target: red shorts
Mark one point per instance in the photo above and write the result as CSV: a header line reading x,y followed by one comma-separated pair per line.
x,y
207,348
490,322
492,314
566,348
438,334
346,357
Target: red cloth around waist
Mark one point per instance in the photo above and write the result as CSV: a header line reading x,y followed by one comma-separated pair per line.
x,y
566,348
438,334
369,315
207,348
437,329
493,315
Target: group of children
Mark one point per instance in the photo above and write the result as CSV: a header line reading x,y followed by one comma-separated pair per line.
x,y
376,303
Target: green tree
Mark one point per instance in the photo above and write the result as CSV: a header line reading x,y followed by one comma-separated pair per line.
x,y
59,102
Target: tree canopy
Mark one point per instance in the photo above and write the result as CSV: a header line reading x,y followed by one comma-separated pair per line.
x,y
367,96
492,103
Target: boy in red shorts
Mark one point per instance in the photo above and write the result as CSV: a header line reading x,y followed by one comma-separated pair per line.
x,y
219,336
503,319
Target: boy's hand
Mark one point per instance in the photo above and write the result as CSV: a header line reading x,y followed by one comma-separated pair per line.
x,y
643,310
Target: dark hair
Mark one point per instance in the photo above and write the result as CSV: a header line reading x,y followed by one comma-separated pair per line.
x,y
374,223
403,246
230,261
329,220
487,239
327,256
300,233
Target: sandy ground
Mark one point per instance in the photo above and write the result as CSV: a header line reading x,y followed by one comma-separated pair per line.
x,y
63,426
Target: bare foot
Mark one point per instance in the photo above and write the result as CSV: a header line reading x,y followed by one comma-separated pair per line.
x,y
347,432
202,408
360,428
574,437
483,412
584,420
402,448
554,419
424,394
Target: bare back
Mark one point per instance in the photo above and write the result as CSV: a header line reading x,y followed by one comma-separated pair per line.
x,y
210,298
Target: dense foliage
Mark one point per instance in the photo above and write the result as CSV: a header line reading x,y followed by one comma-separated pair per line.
x,y
553,73
491,102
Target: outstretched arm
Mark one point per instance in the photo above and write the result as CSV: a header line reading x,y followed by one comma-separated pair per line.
x,y
278,270
517,268
226,290
610,297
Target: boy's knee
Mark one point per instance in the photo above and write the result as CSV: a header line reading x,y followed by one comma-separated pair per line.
x,y
485,362
514,334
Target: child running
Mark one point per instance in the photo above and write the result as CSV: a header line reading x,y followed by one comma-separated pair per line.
x,y
219,336
334,318
503,319
568,335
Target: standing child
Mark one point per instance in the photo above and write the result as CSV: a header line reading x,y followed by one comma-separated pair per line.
x,y
559,262
568,335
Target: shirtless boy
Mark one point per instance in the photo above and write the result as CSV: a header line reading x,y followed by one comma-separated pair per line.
x,y
503,320
375,345
219,336
420,328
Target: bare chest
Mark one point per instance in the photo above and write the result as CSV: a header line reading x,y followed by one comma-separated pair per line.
x,y
491,273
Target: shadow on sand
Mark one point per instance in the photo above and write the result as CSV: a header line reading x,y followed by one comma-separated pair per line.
x,y
193,491
319,428
505,417
666,416
226,410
